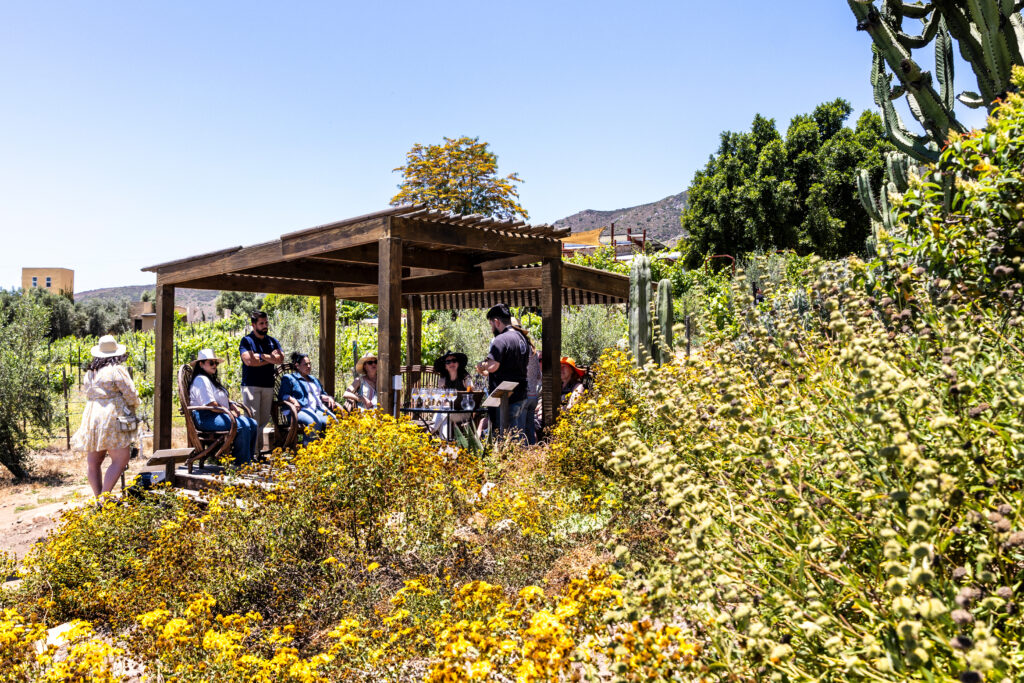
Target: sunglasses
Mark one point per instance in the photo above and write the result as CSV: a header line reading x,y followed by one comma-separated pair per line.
x,y
214,363
370,362
451,361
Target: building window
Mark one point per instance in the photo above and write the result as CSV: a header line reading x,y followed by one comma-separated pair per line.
x,y
35,281
47,282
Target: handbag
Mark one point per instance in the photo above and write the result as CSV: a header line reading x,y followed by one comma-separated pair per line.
x,y
129,422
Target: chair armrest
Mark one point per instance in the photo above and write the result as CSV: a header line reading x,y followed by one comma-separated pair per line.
x,y
242,408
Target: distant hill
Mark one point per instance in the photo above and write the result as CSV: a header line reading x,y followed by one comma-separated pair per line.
x,y
660,218
201,299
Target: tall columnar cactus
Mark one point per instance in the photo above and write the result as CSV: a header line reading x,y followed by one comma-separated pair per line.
x,y
664,320
989,35
895,181
640,309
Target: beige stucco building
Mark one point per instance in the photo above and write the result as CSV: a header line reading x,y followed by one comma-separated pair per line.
x,y
57,280
143,315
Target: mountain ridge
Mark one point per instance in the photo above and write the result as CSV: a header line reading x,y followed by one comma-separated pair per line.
x,y
661,219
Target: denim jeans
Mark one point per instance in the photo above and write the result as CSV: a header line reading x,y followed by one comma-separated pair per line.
x,y
516,418
312,418
529,423
244,446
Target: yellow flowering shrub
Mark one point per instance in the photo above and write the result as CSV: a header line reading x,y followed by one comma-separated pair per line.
x,y
25,654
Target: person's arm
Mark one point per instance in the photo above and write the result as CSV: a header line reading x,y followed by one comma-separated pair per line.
x,y
126,386
353,393
275,357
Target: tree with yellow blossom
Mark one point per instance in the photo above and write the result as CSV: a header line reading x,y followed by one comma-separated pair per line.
x,y
461,176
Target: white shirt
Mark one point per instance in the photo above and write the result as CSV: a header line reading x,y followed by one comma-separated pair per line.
x,y
202,392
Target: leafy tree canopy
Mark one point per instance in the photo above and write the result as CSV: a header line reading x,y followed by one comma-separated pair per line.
x,y
460,175
761,191
239,303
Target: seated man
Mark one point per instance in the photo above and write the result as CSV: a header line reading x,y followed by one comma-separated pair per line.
x,y
305,392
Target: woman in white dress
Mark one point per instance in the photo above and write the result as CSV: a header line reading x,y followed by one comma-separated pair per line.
x,y
363,390
109,424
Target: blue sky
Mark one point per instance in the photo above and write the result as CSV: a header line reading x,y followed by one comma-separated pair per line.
x,y
137,132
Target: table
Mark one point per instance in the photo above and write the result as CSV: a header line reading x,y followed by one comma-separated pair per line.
x,y
447,416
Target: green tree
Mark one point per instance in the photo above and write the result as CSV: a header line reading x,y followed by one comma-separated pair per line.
x,y
761,191
239,303
461,176
25,398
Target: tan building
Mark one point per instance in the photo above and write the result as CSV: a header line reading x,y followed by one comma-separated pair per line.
x,y
56,280
143,315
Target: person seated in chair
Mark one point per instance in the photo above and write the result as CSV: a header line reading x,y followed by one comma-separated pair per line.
x,y
362,393
206,390
452,368
304,391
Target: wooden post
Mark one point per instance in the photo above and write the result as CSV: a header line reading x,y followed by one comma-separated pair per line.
x,y
389,318
414,331
65,383
328,323
551,336
163,368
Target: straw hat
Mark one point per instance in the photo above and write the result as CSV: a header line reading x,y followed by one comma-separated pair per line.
x,y
362,362
206,354
460,358
572,364
108,348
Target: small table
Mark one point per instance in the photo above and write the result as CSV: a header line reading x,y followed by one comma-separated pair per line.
x,y
447,416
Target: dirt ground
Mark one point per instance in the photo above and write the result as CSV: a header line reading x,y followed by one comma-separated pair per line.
x,y
31,508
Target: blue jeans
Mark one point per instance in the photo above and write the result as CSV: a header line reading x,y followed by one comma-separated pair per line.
x,y
312,418
244,446
529,423
516,418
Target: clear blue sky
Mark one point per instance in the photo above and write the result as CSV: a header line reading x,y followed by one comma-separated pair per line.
x,y
138,132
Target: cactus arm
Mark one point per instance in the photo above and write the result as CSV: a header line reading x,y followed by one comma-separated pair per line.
x,y
915,146
662,345
867,195
640,309
916,10
944,65
930,28
969,42
897,169
985,15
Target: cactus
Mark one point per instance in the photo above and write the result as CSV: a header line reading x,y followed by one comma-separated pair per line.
x,y
639,309
663,319
990,36
895,181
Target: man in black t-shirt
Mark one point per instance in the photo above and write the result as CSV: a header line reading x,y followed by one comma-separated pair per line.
x,y
506,362
260,354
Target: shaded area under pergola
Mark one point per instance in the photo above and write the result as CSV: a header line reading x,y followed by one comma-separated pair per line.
x,y
403,257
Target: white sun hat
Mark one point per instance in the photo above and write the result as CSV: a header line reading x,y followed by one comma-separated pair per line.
x,y
108,348
207,354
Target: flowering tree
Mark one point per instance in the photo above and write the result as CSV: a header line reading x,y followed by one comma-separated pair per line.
x,y
459,176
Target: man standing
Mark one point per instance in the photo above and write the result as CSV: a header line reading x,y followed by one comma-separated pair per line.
x,y
506,362
260,353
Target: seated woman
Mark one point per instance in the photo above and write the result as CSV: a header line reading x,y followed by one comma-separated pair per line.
x,y
572,389
363,390
206,390
454,375
305,392
452,368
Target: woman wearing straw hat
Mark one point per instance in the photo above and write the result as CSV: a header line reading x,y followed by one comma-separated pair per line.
x,y
206,390
109,424
363,390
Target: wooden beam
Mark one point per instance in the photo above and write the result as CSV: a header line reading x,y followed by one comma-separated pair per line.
x,y
594,280
478,281
508,262
164,377
329,238
412,257
306,269
439,234
253,283
389,319
219,263
551,337
328,332
414,330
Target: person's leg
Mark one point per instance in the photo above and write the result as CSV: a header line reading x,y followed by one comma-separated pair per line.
x,y
530,427
307,419
118,463
94,461
263,414
516,419
245,440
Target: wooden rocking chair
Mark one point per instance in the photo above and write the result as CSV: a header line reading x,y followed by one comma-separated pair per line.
x,y
204,444
283,416
418,377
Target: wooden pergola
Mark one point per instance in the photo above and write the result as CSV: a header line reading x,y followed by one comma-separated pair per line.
x,y
403,257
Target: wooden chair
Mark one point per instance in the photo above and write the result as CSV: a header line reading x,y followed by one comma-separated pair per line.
x,y
203,443
418,377
283,416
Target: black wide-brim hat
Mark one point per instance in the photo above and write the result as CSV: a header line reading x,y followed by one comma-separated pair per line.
x,y
462,359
